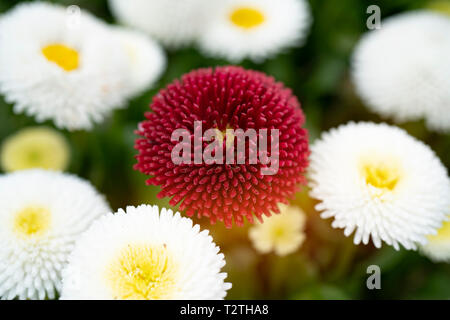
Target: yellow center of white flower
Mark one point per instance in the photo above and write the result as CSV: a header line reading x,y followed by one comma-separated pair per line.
x,y
443,233
247,17
143,272
32,222
131,51
381,175
65,57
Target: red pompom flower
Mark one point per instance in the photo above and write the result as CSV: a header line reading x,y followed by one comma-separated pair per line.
x,y
216,111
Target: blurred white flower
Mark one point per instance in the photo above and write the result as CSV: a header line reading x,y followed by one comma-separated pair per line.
x,y
282,233
174,23
73,76
438,246
379,182
147,60
145,254
255,29
403,69
42,213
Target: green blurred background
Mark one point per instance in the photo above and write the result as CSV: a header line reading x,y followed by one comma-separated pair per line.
x,y
328,265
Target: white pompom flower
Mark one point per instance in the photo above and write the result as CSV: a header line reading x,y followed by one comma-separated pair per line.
x,y
42,213
379,182
146,58
145,254
403,69
174,23
254,29
53,68
438,246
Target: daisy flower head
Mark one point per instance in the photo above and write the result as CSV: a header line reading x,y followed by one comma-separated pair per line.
x,y
438,246
402,70
379,182
42,213
37,147
145,253
52,69
255,29
252,117
147,60
174,23
283,233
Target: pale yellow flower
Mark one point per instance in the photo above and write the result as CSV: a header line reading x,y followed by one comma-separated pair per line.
x,y
442,6
36,147
282,233
438,246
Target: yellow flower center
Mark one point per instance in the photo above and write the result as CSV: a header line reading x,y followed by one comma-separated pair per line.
x,y
381,176
143,272
280,231
32,221
247,18
443,233
226,135
65,57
